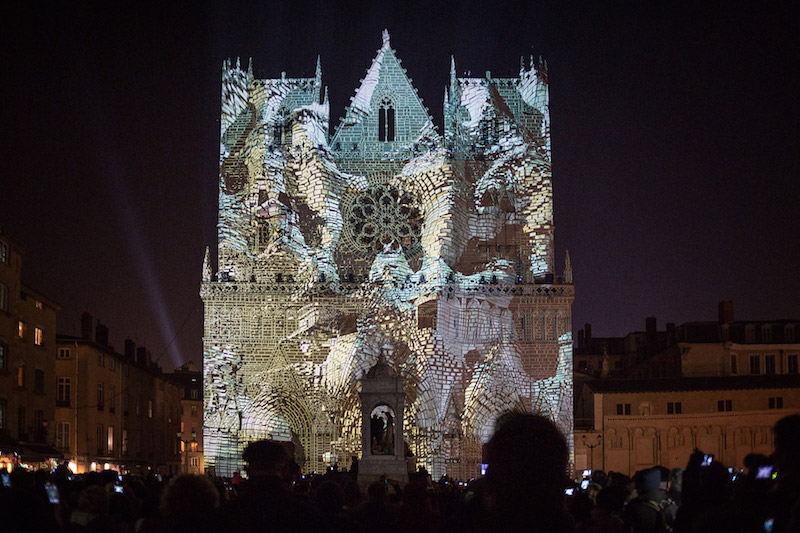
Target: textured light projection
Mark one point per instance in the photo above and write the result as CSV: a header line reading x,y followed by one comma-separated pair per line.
x,y
388,238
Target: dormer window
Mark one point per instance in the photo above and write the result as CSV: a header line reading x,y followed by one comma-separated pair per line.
x,y
386,120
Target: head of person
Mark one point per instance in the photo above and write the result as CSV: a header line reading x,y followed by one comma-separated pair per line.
x,y
787,445
189,498
266,458
647,481
527,458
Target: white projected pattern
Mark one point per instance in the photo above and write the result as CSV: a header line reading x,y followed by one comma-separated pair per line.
x,y
388,238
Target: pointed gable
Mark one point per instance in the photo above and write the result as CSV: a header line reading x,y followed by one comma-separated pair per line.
x,y
386,113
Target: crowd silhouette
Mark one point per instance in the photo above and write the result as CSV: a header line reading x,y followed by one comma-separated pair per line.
x,y
526,488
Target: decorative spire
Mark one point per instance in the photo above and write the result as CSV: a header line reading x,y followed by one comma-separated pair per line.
x,y
453,80
385,36
250,68
207,266
318,80
567,269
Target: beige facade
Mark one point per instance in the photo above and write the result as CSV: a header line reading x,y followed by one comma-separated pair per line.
x,y
113,410
660,422
27,354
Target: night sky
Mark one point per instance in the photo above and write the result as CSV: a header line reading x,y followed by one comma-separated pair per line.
x,y
675,133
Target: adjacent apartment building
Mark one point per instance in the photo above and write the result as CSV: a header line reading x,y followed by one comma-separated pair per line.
x,y
27,356
191,438
114,410
716,386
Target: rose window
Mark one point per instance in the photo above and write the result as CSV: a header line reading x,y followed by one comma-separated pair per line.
x,y
382,215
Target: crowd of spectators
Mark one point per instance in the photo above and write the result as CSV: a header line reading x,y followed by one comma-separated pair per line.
x,y
526,488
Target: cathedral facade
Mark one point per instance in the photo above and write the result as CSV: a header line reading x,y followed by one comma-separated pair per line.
x,y
383,239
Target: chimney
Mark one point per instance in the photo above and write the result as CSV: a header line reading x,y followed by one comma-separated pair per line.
x,y
726,312
86,325
130,350
650,326
101,334
141,355
148,358
587,334
651,330
581,341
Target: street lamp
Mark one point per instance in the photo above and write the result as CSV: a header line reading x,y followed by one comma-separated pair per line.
x,y
186,446
591,449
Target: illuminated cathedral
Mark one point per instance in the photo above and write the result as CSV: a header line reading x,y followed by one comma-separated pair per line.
x,y
383,239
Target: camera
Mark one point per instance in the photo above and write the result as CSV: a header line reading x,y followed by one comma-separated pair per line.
x,y
707,460
570,491
764,472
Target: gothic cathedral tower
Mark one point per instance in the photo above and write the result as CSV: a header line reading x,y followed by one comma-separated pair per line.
x,y
386,239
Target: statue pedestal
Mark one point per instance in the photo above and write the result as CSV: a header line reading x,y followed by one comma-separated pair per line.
x,y
375,467
383,452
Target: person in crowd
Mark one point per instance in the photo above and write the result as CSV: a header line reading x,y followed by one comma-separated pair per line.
x,y
375,514
605,516
188,505
526,475
785,504
265,501
645,513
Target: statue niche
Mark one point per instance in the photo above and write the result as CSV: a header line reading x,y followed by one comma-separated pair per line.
x,y
383,453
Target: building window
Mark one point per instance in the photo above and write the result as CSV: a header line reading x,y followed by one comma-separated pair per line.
x,y
724,405
3,297
3,252
21,329
194,461
791,363
62,435
112,364
775,402
39,305
21,376
101,437
3,409
64,393
734,367
788,333
674,408
38,381
194,394
110,441
112,399
755,364
124,442
149,408
3,356
63,353
769,364
100,397
386,121
101,361
623,409
766,334
38,336
194,410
